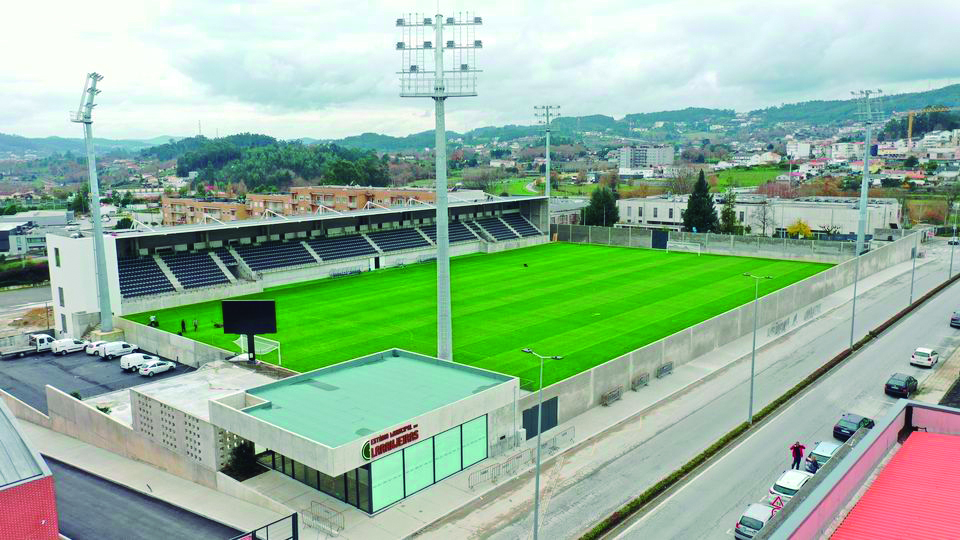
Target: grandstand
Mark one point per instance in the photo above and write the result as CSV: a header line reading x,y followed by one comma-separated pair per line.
x,y
169,266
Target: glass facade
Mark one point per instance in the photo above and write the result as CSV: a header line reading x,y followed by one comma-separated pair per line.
x,y
389,479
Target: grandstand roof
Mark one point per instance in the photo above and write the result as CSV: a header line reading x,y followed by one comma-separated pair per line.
x,y
342,403
239,224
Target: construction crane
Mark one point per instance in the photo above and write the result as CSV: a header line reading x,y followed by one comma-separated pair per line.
x,y
911,114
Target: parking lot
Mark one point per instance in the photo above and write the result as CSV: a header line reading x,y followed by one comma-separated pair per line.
x,y
25,378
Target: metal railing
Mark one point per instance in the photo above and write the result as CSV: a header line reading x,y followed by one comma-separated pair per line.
x,y
504,445
282,529
322,517
512,466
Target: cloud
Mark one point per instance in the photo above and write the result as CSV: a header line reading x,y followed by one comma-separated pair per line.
x,y
296,68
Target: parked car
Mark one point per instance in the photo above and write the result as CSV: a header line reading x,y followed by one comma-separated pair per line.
x,y
114,349
955,319
133,361
788,485
752,520
68,345
849,424
924,357
954,241
36,343
153,367
93,347
822,453
900,385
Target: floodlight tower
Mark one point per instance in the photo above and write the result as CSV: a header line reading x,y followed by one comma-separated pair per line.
x,y
423,76
544,114
84,115
869,114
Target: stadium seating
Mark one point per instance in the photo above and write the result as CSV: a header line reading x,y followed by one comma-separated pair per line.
x,y
341,247
270,255
397,239
225,256
496,227
521,225
141,276
194,269
457,231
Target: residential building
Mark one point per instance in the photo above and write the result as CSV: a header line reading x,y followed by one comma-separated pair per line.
x,y
845,150
188,211
638,157
797,149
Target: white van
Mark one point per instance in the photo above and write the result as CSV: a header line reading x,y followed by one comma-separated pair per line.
x,y
115,349
67,346
132,362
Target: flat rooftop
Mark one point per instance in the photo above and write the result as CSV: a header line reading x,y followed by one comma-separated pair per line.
x,y
341,403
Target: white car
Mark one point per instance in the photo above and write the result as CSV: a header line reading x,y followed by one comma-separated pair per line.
x,y
114,349
924,357
153,367
93,347
787,486
133,361
68,345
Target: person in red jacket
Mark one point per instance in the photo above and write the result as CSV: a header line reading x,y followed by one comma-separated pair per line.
x,y
797,451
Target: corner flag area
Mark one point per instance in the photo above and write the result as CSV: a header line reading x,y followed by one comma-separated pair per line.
x,y
587,303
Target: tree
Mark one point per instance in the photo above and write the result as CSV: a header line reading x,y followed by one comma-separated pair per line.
x,y
830,229
80,204
602,209
700,215
800,229
581,177
911,162
124,223
951,192
683,182
728,214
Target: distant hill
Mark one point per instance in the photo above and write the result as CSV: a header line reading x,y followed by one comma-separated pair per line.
x,y
52,145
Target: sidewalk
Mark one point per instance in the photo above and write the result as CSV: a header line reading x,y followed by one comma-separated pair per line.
x,y
149,480
934,387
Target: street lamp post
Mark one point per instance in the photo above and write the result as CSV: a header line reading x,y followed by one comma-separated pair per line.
x,y
953,244
753,355
536,494
913,272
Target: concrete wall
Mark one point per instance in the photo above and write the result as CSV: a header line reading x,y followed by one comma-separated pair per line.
x,y
493,247
81,421
779,312
192,438
189,296
179,348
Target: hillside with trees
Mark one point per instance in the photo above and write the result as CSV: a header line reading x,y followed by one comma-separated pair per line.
x,y
923,123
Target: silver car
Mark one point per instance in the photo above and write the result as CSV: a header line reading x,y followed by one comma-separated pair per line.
x,y
753,519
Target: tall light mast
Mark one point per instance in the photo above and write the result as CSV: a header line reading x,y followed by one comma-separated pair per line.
x,y
544,114
84,115
422,74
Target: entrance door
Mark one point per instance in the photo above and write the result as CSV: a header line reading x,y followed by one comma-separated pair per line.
x,y
548,421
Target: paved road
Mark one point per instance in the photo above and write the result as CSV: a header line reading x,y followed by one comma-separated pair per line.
x,y
91,508
14,302
711,504
673,433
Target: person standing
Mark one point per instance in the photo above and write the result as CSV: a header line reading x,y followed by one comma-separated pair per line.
x,y
812,464
183,327
797,450
196,326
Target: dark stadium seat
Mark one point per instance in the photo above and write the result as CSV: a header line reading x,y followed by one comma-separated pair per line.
x,y
397,239
458,232
496,227
226,257
194,269
341,247
270,255
141,276
520,224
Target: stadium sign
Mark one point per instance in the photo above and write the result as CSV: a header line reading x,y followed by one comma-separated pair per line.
x,y
381,444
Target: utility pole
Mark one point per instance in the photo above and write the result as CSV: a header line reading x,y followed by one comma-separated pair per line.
x,y
84,116
868,115
544,115
423,76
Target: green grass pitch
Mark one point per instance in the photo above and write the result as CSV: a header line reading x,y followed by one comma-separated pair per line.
x,y
587,303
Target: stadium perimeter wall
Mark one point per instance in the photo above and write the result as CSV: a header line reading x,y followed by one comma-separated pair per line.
x,y
156,303
180,348
779,312
722,244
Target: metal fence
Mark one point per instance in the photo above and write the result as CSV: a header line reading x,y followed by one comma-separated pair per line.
x,y
511,466
504,445
282,529
323,518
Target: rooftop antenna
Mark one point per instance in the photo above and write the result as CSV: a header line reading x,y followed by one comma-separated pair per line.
x,y
544,114
84,115
869,114
423,74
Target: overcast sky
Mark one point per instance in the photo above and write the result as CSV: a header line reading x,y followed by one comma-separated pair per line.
x,y
323,69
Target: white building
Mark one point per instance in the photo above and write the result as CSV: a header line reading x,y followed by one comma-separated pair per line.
x,y
644,156
818,212
797,149
846,150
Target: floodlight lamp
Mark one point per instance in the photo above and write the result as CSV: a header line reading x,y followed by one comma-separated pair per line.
x,y
556,358
527,350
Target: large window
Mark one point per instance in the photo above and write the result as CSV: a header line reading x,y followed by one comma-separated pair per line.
x,y
387,474
447,452
474,441
60,293
56,257
418,466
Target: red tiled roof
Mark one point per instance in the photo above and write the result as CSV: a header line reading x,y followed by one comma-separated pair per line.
x,y
915,496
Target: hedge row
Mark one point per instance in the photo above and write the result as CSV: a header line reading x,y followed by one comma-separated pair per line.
x,y
30,274
673,478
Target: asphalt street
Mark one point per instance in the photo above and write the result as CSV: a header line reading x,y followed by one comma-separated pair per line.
x,y
673,433
91,508
710,505
14,302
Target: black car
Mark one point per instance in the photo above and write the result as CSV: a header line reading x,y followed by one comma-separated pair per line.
x,y
849,424
900,385
955,319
